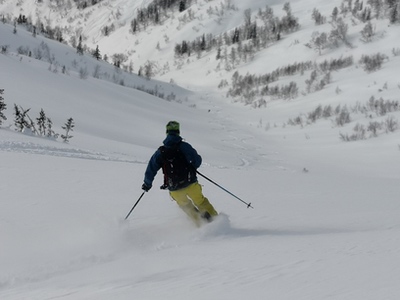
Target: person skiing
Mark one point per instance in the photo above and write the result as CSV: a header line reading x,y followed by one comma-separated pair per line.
x,y
179,161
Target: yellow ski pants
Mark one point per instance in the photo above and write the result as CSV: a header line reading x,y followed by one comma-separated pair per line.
x,y
192,201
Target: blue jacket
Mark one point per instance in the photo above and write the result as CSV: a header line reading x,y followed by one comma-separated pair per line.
x,y
155,162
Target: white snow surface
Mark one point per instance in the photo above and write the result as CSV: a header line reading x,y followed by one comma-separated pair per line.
x,y
325,223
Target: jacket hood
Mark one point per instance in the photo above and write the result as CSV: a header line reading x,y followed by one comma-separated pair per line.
x,y
171,140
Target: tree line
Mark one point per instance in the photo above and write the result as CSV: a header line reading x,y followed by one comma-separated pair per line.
x,y
41,126
156,12
259,31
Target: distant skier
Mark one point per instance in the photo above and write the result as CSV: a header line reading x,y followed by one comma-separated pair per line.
x,y
179,161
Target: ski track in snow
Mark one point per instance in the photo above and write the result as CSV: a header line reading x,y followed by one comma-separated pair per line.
x,y
251,151
48,272
128,240
33,148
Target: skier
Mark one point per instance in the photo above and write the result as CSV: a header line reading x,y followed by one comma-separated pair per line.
x,y
179,161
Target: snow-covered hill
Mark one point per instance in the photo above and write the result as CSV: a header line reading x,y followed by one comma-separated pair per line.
x,y
325,220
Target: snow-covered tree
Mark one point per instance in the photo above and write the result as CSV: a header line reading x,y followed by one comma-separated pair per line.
x,y
318,17
182,5
394,15
339,32
22,120
50,132
319,41
96,53
149,69
68,127
367,33
3,106
79,48
41,122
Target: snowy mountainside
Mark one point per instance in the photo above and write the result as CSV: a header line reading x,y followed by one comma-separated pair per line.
x,y
153,46
325,221
156,42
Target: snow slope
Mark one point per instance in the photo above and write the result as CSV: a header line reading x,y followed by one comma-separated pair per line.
x,y
325,221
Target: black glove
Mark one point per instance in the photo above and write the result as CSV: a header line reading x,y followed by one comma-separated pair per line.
x,y
145,187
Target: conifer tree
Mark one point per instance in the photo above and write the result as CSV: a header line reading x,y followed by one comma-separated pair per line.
x,y
3,106
41,122
394,14
79,48
182,5
134,25
96,53
68,127
20,118
50,131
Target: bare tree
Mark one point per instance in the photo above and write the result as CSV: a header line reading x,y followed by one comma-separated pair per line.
x,y
367,33
319,41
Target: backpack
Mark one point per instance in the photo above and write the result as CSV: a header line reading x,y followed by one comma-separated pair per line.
x,y
178,172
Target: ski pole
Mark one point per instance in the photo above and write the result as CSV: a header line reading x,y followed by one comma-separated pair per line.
x,y
134,206
224,189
